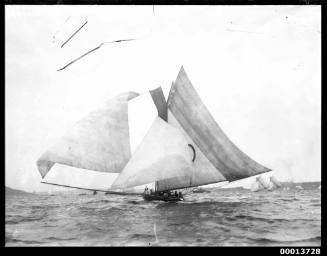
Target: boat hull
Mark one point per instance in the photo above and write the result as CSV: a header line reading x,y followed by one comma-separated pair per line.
x,y
162,198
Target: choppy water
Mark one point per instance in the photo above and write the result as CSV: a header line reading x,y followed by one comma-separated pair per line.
x,y
220,218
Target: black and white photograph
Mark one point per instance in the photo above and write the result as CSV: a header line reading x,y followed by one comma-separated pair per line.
x,y
163,125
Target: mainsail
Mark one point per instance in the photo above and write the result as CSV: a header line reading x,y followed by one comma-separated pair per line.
x,y
255,186
202,172
270,184
263,183
275,182
193,116
99,142
162,154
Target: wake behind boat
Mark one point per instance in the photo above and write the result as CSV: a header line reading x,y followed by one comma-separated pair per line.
x,y
200,190
183,148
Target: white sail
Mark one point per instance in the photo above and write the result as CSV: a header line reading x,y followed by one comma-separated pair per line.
x,y
141,113
255,187
263,182
162,154
271,186
259,185
202,172
99,142
275,182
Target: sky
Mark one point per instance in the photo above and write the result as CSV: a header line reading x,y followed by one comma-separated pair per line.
x,y
256,68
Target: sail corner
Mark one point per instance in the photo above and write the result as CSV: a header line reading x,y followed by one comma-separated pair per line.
x,y
44,167
131,95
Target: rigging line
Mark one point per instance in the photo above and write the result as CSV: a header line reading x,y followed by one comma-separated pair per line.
x,y
73,34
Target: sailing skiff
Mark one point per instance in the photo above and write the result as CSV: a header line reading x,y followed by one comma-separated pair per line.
x,y
184,147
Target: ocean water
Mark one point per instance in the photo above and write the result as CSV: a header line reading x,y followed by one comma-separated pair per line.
x,y
224,217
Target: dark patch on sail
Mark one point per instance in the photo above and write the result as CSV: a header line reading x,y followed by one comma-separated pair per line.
x,y
194,153
159,100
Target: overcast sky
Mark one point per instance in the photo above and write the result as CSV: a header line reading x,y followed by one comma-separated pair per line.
x,y
257,68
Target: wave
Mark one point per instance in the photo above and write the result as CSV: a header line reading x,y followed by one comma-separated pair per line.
x,y
44,207
52,238
104,201
14,240
288,199
139,236
21,219
201,205
133,202
269,240
269,220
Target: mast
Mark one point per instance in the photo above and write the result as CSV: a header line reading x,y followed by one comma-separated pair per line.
x,y
159,101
